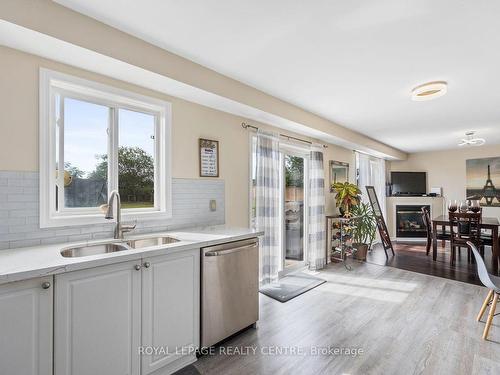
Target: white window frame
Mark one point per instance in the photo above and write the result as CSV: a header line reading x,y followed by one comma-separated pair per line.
x,y
53,83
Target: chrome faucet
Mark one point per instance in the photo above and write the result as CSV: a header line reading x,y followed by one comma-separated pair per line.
x,y
119,228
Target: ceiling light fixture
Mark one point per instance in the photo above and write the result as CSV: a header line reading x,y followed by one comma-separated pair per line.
x,y
429,91
470,140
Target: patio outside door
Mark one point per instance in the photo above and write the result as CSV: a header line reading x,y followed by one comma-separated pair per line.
x,y
294,210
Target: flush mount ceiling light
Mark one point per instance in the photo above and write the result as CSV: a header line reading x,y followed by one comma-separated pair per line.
x,y
429,91
470,140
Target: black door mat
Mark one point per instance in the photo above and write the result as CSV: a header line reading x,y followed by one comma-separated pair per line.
x,y
290,287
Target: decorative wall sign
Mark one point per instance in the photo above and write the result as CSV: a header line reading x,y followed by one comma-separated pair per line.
x,y
483,181
339,172
209,158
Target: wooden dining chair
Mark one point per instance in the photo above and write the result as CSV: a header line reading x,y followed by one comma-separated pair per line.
x,y
440,235
465,227
492,283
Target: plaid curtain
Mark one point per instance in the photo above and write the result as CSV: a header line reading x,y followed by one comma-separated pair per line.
x,y
267,193
316,217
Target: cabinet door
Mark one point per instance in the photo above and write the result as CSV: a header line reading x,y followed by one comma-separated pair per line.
x,y
26,327
170,312
97,320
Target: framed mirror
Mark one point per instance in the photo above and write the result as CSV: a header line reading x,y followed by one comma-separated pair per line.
x,y
339,172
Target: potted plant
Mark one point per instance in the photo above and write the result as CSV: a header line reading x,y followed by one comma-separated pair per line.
x,y
363,230
347,196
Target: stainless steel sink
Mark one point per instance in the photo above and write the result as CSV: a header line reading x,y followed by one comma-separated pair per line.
x,y
84,251
152,241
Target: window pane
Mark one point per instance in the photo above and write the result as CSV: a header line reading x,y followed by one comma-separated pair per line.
x,y
85,153
136,167
294,209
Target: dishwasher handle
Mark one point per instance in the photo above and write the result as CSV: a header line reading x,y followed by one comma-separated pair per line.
x,y
216,253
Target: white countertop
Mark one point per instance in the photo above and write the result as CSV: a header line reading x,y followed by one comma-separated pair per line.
x,y
29,262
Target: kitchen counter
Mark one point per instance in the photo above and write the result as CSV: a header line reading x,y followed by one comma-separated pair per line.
x,y
29,262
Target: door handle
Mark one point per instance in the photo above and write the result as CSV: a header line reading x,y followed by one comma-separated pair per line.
x,y
216,253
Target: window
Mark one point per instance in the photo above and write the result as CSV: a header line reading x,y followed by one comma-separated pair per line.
x,y
370,171
293,205
101,139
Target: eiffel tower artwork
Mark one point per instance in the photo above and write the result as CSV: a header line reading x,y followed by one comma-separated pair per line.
x,y
489,192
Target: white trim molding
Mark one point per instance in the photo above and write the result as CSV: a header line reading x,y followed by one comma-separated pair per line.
x,y
54,83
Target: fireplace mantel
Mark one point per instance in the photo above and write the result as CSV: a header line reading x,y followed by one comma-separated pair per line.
x,y
437,206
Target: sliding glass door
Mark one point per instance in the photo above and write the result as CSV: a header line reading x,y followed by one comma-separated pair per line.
x,y
294,210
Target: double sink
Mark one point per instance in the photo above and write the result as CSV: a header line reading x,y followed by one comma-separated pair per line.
x,y
116,245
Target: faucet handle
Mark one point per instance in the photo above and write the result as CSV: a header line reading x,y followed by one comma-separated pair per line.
x,y
128,227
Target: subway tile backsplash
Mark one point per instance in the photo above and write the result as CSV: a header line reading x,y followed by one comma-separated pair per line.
x,y
19,212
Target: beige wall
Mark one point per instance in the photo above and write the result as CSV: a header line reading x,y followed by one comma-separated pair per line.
x,y
19,130
446,169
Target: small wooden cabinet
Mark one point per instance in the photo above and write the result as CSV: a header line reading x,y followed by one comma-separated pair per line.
x,y
26,315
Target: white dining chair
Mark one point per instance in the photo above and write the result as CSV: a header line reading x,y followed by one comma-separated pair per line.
x,y
492,283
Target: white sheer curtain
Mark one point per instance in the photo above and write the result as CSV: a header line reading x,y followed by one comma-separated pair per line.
x,y
371,172
267,192
316,217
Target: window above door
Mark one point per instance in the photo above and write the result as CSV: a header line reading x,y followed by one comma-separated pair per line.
x,y
101,139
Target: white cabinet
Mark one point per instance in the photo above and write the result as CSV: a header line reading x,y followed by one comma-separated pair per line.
x,y
26,327
170,310
104,315
98,320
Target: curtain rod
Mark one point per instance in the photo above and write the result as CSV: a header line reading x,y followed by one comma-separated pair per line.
x,y
244,125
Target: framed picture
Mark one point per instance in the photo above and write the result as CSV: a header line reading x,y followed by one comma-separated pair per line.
x,y
339,172
209,158
483,181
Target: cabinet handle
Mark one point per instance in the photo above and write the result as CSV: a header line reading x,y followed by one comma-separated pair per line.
x,y
137,267
147,264
46,285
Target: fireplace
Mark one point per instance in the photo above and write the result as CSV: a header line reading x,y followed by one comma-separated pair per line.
x,y
409,222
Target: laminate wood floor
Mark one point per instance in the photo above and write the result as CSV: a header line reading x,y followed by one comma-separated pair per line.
x,y
412,257
404,322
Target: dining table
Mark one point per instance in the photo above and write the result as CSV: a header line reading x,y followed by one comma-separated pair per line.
x,y
489,223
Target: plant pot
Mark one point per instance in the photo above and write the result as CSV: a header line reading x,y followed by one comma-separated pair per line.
x,y
361,251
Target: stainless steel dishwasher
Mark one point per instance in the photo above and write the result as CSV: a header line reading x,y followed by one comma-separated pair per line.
x,y
229,290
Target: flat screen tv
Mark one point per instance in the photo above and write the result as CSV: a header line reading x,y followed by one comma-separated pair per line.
x,y
409,183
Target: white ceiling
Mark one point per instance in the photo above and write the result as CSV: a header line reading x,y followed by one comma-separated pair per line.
x,y
353,62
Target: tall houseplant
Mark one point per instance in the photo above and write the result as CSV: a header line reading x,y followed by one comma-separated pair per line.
x,y
347,196
364,226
